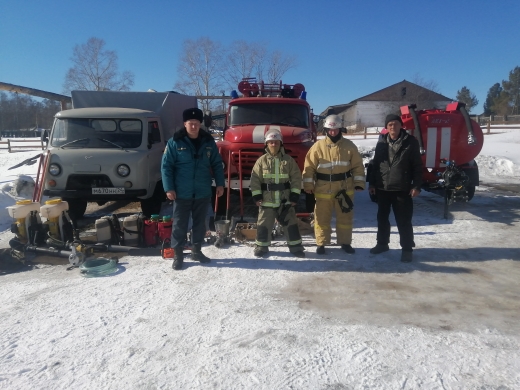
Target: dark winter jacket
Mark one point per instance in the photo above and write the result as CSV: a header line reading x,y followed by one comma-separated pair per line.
x,y
187,172
397,168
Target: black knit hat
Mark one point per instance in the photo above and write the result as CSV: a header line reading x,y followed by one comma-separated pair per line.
x,y
192,113
393,117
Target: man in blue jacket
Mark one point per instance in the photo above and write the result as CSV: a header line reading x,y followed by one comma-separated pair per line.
x,y
190,161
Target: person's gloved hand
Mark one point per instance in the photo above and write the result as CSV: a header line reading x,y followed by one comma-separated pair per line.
x,y
258,200
294,197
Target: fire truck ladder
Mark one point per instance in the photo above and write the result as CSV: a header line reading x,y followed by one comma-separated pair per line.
x,y
236,158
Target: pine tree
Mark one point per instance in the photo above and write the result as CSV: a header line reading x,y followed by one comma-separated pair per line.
x,y
464,95
512,88
493,94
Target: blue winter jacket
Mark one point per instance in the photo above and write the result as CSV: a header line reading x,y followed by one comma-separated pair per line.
x,y
187,173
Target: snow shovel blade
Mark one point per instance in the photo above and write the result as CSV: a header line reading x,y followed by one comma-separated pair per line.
x,y
29,161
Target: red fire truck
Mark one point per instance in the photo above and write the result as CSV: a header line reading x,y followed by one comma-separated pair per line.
x,y
262,107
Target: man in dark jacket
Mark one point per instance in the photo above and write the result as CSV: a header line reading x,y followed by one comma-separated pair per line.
x,y
190,161
395,179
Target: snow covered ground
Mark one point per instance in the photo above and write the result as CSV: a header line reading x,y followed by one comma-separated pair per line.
x,y
448,320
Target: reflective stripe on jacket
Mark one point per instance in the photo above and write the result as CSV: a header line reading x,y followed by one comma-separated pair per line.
x,y
275,170
330,158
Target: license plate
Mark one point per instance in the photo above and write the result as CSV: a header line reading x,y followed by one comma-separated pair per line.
x,y
108,191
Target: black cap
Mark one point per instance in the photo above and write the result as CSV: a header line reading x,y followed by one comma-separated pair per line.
x,y
192,113
393,117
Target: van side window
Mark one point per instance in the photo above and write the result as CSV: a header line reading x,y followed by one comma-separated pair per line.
x,y
153,130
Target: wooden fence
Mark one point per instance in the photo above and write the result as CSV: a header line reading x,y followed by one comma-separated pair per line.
x,y
500,126
26,144
487,129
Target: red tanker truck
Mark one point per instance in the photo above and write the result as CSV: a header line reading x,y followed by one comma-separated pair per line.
x,y
449,140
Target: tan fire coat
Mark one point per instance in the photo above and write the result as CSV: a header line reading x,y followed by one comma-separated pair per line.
x,y
327,157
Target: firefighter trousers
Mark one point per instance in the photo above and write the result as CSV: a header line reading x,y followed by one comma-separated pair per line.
x,y
325,205
265,224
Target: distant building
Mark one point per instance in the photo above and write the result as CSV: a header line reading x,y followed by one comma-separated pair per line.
x,y
371,110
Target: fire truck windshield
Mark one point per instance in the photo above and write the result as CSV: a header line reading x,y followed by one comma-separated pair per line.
x,y
268,114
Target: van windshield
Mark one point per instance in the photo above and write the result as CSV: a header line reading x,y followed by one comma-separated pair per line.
x,y
269,113
96,133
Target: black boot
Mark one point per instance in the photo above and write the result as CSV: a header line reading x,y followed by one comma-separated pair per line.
x,y
320,250
178,259
379,248
347,248
261,251
406,255
197,255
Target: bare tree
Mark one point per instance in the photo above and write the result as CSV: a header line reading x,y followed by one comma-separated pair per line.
x,y
278,64
19,112
244,60
424,98
96,69
200,69
206,68
432,85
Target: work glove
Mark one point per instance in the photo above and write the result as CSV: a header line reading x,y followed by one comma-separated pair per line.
x,y
294,197
258,198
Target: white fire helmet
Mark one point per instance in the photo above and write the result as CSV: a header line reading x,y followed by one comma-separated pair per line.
x,y
332,122
273,135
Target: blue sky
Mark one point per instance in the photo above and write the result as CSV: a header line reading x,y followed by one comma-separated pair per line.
x,y
345,49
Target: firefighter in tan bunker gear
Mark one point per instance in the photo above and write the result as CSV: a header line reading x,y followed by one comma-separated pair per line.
x,y
333,171
276,185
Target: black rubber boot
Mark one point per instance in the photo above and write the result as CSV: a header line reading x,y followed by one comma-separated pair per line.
x,y
347,248
320,250
379,248
178,259
406,256
197,255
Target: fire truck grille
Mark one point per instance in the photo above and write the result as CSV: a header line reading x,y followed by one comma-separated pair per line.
x,y
248,158
83,182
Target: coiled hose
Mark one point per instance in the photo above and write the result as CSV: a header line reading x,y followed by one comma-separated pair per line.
x,y
98,267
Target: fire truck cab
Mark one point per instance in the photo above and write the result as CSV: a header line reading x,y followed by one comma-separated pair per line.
x,y
263,107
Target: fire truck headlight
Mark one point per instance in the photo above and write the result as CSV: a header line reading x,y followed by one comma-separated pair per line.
x,y
54,169
123,170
